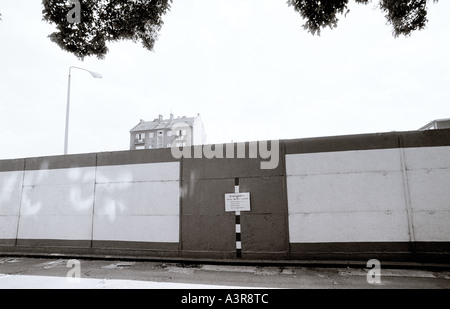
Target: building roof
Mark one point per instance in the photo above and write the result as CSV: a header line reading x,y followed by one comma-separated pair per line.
x,y
159,123
445,120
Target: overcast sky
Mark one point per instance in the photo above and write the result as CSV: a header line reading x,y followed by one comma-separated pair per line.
x,y
247,66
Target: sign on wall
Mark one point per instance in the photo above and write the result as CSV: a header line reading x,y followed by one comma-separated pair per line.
x,y
237,201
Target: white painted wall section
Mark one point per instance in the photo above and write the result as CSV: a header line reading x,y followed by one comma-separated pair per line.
x,y
137,228
165,171
348,227
57,204
428,176
138,203
346,196
10,193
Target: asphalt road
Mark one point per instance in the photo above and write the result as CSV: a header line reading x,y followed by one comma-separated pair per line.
x,y
59,273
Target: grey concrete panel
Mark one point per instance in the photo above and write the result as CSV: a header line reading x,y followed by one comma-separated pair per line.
x,y
427,138
407,139
12,165
135,157
264,232
79,243
205,197
208,233
63,161
342,143
137,245
226,168
267,194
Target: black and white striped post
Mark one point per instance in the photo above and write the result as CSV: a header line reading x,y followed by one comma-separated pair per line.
x,y
238,223
237,202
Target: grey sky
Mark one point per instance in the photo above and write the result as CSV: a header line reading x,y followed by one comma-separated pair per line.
x,y
247,66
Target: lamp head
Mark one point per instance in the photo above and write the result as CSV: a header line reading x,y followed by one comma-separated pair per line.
x,y
95,75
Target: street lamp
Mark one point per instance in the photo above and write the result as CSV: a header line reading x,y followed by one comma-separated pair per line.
x,y
95,75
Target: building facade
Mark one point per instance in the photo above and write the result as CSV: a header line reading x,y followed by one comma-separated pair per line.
x,y
164,133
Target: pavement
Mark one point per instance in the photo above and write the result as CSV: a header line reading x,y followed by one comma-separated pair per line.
x,y
18,272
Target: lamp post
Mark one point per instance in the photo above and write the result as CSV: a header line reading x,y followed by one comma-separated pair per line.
x,y
95,75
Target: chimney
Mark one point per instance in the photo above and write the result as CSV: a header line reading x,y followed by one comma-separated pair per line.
x,y
160,118
171,116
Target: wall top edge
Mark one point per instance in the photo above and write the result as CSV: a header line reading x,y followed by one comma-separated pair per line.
x,y
88,160
369,141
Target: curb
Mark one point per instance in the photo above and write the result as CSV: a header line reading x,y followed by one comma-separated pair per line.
x,y
246,262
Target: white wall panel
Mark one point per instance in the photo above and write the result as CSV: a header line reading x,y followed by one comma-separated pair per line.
x,y
10,200
138,202
345,192
428,174
141,198
427,157
59,176
137,228
10,192
348,227
45,226
8,227
10,195
11,179
346,196
343,162
432,225
138,172
429,189
64,200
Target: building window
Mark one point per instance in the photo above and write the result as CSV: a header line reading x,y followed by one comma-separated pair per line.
x,y
160,132
169,145
151,134
169,133
183,132
150,147
140,147
140,136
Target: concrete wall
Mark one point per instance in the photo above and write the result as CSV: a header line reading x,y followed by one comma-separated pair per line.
x,y
209,231
428,183
137,202
11,180
340,199
92,201
359,196
366,196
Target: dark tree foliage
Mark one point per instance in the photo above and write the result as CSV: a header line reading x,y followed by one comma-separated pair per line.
x,y
321,13
405,16
103,21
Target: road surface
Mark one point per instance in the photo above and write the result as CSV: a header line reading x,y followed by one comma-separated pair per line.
x,y
60,273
